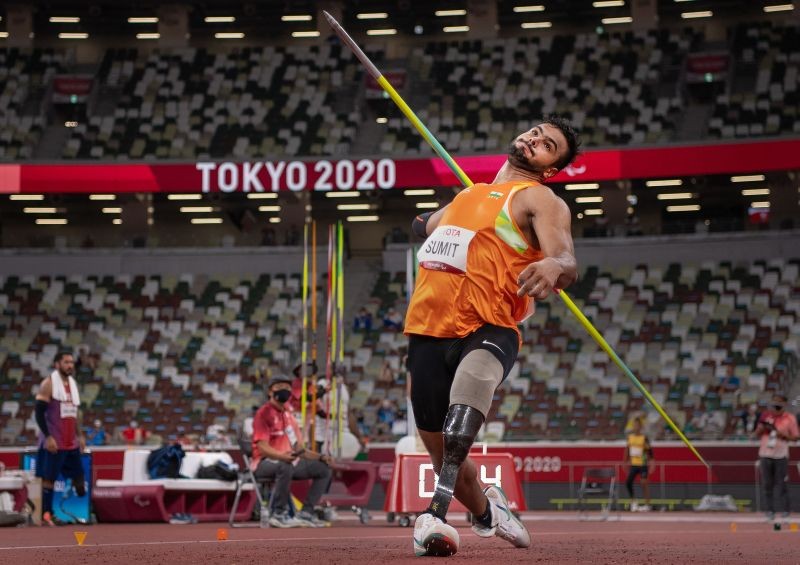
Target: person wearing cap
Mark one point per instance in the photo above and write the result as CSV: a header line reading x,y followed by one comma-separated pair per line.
x,y
775,430
279,454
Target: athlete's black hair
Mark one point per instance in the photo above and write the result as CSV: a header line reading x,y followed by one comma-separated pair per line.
x,y
573,141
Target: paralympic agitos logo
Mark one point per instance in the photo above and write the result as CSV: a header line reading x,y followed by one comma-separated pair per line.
x,y
273,176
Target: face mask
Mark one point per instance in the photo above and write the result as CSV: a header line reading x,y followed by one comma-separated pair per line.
x,y
282,395
777,407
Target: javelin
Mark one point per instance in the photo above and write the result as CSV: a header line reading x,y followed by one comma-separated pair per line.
x,y
442,152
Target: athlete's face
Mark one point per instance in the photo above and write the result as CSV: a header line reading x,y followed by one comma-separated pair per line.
x,y
66,366
538,150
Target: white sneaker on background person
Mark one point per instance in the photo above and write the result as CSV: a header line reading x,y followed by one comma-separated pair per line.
x,y
283,520
504,524
433,537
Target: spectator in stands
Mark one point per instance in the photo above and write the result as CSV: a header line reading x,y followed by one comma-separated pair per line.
x,y
216,438
96,435
387,375
61,439
387,413
639,455
247,425
776,429
279,454
750,418
326,430
393,320
363,321
134,435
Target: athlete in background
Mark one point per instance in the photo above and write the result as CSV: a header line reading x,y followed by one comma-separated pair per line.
x,y
60,439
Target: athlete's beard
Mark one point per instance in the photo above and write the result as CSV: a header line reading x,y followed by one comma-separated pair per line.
x,y
64,373
516,156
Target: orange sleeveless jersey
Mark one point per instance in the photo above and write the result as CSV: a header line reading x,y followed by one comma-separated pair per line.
x,y
469,266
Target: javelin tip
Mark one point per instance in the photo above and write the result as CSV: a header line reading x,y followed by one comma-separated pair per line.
x,y
328,17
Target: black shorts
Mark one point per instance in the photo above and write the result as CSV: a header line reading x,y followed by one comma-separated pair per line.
x,y
432,362
637,470
66,462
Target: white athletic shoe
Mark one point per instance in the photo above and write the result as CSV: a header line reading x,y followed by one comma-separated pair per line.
x,y
504,524
433,537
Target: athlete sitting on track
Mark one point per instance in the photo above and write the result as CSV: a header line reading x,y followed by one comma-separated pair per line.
x,y
488,255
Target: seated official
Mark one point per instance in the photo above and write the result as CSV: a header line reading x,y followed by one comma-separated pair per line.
x,y
278,453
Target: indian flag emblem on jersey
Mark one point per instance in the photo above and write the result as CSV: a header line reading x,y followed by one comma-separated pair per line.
x,y
494,194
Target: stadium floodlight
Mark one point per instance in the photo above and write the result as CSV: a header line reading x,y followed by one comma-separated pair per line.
x,y
269,208
51,221
427,205
3,35
219,19
536,25
274,220
466,181
111,210
353,206
455,29
372,16
305,33
296,18
449,13
593,212
748,178
64,20
102,197
588,199
388,31
145,20
27,197
38,210
117,221
755,192
582,186
184,196
344,194
525,9
73,36
229,35
699,14
684,208
206,220
419,192
761,204
674,195
779,8
381,120
148,36
608,3
262,195
620,20
664,182
196,209
363,218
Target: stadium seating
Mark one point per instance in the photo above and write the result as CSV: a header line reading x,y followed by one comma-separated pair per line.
x,y
250,102
175,353
181,353
765,97
24,77
483,93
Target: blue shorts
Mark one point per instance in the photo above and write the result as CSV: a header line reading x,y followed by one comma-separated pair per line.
x,y
64,462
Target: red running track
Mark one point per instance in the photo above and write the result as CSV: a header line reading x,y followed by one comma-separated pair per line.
x,y
554,541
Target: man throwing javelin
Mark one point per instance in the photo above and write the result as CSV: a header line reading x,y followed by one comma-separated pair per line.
x,y
488,256
61,439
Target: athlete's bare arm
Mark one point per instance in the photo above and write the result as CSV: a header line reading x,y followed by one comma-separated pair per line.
x,y
550,223
45,390
434,220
